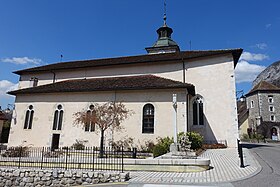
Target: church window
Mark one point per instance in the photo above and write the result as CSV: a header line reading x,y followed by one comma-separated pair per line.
x,y
58,118
89,125
29,117
198,115
148,119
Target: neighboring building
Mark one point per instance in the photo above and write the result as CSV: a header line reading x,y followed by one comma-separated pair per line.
x,y
3,118
243,115
263,102
203,82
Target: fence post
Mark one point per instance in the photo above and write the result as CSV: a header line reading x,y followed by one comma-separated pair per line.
x,y
134,152
42,160
20,151
66,158
122,159
240,152
93,152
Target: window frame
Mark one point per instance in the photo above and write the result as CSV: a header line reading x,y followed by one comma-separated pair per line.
x,y
272,116
270,97
91,126
58,118
28,121
148,119
198,111
273,108
252,104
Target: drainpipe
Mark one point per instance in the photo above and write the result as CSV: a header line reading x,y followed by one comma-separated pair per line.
x,y
184,73
175,118
54,76
186,110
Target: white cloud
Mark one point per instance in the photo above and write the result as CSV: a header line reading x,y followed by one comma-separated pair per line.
x,y
6,86
247,56
268,25
22,60
246,72
261,45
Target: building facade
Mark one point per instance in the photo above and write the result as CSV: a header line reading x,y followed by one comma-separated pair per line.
x,y
263,102
200,83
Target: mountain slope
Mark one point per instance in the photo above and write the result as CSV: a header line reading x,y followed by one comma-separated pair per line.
x,y
271,74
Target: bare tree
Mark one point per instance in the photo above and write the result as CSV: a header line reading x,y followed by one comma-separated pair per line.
x,y
103,116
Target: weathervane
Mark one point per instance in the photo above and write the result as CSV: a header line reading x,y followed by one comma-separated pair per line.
x,y
164,15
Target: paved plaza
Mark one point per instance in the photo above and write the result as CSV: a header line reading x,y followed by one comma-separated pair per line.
x,y
225,168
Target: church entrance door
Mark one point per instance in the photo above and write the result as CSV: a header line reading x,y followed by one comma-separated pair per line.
x,y
55,141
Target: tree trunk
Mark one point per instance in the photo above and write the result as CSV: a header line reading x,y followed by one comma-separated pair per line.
x,y
101,153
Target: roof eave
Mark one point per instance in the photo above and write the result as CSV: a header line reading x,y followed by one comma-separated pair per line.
x,y
190,88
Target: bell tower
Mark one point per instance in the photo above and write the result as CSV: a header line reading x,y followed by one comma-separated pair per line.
x,y
164,43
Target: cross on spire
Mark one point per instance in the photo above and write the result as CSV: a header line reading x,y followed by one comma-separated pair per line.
x,y
164,15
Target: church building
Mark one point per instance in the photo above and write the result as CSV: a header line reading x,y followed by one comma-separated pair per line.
x,y
167,89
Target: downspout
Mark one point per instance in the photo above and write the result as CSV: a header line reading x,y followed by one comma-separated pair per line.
x,y
187,111
184,76
54,76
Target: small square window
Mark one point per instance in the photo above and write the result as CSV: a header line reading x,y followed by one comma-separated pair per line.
x,y
272,118
270,99
252,104
271,108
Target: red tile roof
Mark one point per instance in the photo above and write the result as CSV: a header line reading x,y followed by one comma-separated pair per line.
x,y
148,58
141,82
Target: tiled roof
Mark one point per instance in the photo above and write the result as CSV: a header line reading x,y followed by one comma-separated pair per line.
x,y
141,82
148,58
270,123
264,87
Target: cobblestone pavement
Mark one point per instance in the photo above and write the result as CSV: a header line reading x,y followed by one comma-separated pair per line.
x,y
226,168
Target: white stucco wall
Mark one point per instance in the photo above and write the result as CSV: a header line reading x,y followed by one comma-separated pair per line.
x,y
213,78
45,105
170,70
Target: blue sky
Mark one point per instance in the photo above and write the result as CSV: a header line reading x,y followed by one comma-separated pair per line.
x,y
34,33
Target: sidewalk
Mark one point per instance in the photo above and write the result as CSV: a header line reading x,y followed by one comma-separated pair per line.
x,y
226,168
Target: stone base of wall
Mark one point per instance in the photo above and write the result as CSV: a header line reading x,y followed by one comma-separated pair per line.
x,y
34,177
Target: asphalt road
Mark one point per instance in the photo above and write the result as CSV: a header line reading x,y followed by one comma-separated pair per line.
x,y
268,155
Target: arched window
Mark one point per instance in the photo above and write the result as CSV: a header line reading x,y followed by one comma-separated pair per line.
x,y
198,116
148,119
29,117
58,117
89,125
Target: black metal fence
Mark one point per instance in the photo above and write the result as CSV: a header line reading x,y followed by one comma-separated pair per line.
x,y
63,158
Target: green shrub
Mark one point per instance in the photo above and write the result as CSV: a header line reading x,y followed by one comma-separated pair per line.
x,y
162,146
148,146
245,137
20,151
126,142
159,150
258,136
79,145
195,138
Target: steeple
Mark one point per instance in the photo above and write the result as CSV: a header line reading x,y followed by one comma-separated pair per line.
x,y
164,43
